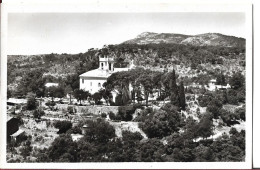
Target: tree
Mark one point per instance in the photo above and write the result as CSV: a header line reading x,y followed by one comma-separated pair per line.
x,y
190,125
81,94
151,151
26,149
174,90
72,82
228,117
128,136
97,97
229,149
126,112
221,80
204,100
205,126
182,96
63,126
31,101
32,82
38,113
157,81
237,81
63,149
112,115
55,92
232,96
119,100
99,131
193,66
106,95
163,122
103,115
214,107
203,154
146,82
241,113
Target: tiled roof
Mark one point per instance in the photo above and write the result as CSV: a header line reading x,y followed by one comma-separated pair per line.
x,y
96,73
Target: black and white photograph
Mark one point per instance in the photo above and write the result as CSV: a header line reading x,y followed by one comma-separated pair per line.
x,y
101,87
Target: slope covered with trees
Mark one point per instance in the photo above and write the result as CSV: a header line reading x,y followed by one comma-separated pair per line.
x,y
65,68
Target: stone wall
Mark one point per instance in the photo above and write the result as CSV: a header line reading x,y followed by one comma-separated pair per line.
x,y
96,110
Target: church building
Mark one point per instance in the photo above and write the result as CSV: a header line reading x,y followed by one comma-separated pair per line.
x,y
93,80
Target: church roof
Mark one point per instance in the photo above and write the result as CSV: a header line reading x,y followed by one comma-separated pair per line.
x,y
96,73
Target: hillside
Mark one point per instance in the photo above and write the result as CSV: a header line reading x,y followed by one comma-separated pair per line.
x,y
208,39
192,62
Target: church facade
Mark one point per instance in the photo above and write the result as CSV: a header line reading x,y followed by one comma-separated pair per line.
x,y
93,80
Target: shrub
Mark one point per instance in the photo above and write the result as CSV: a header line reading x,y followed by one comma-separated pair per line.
x,y
75,130
232,96
127,135
144,114
113,116
228,117
31,102
70,109
38,114
103,115
50,103
233,131
214,106
126,112
204,100
240,112
63,126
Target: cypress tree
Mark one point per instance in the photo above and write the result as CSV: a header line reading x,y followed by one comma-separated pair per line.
x,y
182,96
174,90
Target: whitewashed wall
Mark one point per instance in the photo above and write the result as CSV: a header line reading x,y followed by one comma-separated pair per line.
x,y
86,85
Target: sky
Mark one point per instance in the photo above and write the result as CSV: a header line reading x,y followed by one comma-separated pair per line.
x,y
44,33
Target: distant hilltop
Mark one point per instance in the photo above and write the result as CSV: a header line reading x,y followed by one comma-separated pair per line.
x,y
207,39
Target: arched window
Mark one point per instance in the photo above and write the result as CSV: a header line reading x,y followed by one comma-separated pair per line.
x,y
99,84
102,66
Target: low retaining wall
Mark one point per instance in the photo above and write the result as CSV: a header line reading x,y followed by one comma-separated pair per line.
x,y
96,110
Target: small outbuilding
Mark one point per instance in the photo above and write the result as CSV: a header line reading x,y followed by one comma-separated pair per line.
x,y
17,135
12,126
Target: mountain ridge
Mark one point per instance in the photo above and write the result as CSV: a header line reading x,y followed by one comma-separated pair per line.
x,y
205,39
